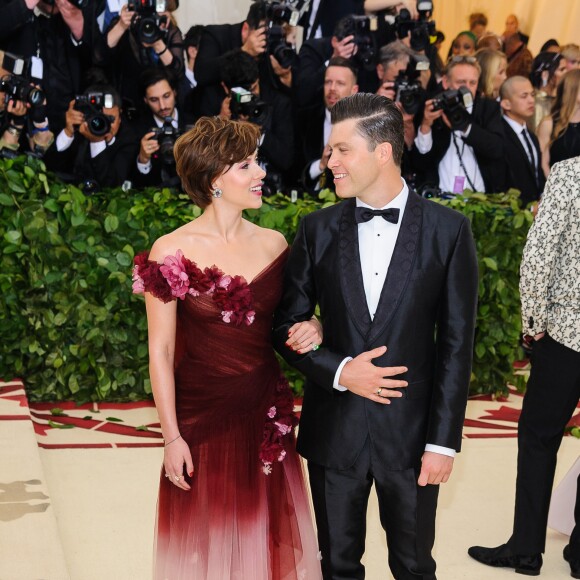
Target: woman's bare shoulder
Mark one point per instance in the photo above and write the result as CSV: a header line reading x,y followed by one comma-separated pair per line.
x,y
168,244
273,239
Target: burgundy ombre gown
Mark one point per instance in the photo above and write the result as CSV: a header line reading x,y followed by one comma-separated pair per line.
x,y
247,515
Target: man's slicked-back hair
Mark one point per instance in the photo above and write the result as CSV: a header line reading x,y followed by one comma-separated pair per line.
x,y
379,120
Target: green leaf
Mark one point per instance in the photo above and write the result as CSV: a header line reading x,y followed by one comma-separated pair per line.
x,y
114,420
13,236
123,259
6,200
490,263
111,223
58,412
60,425
142,428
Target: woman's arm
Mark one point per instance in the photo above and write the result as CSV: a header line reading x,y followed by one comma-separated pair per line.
x,y
544,133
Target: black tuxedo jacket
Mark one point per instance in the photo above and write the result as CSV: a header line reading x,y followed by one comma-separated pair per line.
x,y
109,169
425,316
520,173
487,139
156,176
329,13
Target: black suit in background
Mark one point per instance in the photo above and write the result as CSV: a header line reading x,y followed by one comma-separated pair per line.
x,y
160,174
426,317
487,138
216,41
329,13
520,173
109,169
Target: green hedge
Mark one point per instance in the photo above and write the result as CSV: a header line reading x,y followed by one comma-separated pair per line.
x,y
72,329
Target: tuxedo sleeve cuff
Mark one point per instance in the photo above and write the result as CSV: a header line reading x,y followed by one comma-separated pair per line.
x,y
441,450
336,385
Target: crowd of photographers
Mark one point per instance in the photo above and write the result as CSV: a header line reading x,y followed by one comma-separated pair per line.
x,y
101,89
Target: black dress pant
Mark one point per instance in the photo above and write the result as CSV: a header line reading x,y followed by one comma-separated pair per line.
x,y
407,513
550,400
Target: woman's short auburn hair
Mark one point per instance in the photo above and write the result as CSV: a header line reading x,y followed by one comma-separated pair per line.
x,y
209,149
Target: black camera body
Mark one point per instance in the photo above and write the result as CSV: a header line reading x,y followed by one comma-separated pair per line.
x,y
278,14
408,89
454,103
422,30
20,88
146,22
245,103
166,135
92,105
363,29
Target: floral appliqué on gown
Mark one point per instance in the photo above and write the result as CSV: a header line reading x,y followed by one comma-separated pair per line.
x,y
247,515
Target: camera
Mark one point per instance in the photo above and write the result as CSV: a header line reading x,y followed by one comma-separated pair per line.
x,y
19,88
362,28
146,22
408,89
166,135
92,105
454,103
277,14
432,190
422,30
245,103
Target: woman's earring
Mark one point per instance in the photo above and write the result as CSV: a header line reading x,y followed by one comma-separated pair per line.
x,y
217,192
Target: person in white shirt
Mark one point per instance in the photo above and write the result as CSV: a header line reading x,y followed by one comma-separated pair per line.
x,y
395,278
466,157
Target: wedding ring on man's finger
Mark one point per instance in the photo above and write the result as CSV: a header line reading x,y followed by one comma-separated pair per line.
x,y
315,346
379,390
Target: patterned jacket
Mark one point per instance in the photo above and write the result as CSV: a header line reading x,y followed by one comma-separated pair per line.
x,y
550,269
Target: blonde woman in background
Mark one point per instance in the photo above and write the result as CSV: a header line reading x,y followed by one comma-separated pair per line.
x,y
559,133
493,65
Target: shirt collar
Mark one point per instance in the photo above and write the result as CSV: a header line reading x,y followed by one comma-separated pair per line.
x,y
174,121
517,127
399,201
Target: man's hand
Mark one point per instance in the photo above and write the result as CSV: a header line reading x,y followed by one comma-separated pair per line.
x,y
125,17
72,16
73,118
387,89
345,47
324,159
148,147
435,468
284,74
429,117
363,378
225,111
17,109
255,44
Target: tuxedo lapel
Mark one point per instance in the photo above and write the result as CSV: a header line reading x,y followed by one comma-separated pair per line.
x,y
400,266
351,279
516,142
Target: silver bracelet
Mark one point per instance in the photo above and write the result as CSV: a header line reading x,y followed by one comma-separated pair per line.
x,y
166,444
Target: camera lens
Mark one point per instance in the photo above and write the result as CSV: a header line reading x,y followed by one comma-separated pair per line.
x,y
98,125
36,97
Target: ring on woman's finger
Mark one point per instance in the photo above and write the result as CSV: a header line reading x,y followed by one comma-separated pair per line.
x,y
167,475
177,477
315,346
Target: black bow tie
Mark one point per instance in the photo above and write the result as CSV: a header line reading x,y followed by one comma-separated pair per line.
x,y
364,214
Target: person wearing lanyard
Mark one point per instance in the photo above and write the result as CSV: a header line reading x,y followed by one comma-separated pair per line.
x,y
468,157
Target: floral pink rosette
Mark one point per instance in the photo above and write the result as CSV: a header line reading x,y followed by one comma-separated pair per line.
x,y
280,422
178,277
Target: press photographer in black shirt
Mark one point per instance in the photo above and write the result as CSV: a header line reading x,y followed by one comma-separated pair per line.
x,y
158,129
269,109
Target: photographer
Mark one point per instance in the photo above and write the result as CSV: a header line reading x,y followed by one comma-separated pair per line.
x,y
315,54
95,144
58,38
140,38
322,15
216,42
158,129
268,109
460,142
23,123
314,152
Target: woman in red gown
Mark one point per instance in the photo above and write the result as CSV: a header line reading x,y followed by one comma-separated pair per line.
x,y
232,501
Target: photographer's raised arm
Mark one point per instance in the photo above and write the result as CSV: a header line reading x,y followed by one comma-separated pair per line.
x,y
119,27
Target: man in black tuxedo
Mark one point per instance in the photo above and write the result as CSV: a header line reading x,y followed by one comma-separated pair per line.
x,y
523,154
322,15
467,156
155,164
388,269
339,82
78,154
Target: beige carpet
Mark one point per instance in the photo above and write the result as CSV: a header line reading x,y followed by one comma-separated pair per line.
x,y
82,505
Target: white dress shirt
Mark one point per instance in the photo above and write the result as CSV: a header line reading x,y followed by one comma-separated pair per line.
x,y
63,142
376,240
315,172
451,174
313,13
